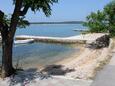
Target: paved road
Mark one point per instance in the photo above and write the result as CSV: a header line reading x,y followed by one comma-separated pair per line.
x,y
106,77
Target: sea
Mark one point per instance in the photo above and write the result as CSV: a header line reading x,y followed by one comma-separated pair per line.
x,y
42,54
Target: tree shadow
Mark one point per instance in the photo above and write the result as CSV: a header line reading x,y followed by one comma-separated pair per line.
x,y
56,70
27,76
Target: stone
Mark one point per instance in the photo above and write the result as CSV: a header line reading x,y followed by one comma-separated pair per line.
x,y
100,42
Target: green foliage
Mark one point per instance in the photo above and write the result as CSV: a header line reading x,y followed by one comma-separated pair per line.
x,y
22,23
102,21
109,10
96,22
35,5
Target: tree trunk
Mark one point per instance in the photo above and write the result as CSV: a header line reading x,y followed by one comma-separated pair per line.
x,y
7,33
7,67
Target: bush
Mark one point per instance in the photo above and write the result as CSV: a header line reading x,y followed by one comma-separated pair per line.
x,y
102,21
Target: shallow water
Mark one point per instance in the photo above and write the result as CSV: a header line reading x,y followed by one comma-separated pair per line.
x,y
40,54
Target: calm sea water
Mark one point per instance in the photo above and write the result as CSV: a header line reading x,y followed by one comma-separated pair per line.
x,y
57,30
40,54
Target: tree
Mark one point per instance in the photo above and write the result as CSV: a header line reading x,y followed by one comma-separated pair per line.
x,y
96,22
8,27
102,21
109,11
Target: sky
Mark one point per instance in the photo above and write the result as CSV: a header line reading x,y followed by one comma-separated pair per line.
x,y
64,10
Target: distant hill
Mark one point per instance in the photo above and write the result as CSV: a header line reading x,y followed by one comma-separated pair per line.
x,y
64,22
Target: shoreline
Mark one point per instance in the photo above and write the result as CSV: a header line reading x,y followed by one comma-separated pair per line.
x,y
65,56
86,63
72,56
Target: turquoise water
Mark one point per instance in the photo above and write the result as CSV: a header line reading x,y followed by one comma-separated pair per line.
x,y
40,54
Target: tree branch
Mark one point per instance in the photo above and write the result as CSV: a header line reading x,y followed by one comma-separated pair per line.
x,y
3,25
24,11
15,17
1,14
1,19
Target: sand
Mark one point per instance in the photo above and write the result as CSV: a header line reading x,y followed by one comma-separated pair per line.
x,y
87,62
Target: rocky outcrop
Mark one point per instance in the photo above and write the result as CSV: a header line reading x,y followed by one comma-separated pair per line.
x,y
100,42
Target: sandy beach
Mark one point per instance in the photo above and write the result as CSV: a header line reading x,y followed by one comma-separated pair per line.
x,y
82,65
87,62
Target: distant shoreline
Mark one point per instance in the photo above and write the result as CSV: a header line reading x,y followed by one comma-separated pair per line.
x,y
65,22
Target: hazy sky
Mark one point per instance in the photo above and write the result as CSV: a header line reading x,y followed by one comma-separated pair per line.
x,y
65,10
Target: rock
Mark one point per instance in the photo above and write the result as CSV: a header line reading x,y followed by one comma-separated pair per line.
x,y
100,42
